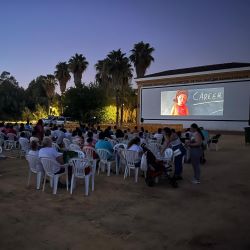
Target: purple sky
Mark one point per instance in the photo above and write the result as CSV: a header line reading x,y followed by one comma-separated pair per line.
x,y
36,35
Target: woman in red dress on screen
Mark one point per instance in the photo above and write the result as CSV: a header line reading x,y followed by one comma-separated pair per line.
x,y
180,107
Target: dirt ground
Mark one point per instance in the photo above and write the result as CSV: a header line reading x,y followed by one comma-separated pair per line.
x,y
123,215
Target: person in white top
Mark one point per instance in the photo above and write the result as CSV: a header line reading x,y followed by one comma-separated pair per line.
x,y
48,152
34,152
24,142
159,136
134,145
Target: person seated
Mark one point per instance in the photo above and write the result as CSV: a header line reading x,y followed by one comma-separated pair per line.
x,y
23,141
135,131
158,136
28,127
134,145
142,139
119,134
103,144
48,151
10,129
77,138
90,135
173,141
90,143
21,128
34,137
68,135
35,152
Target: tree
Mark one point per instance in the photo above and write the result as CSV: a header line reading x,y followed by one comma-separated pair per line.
x,y
6,76
62,75
119,69
49,83
77,65
102,77
83,103
141,57
36,94
12,97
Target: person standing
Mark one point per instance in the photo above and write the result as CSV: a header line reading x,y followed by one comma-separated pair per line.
x,y
39,130
195,143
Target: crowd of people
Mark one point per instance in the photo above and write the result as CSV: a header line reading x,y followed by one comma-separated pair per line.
x,y
40,138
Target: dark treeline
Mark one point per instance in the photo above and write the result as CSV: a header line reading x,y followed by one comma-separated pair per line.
x,y
112,86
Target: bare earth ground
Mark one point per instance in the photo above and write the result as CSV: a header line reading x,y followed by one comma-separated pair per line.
x,y
123,215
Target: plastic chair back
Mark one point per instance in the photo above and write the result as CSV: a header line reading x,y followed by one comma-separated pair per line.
x,y
33,162
49,166
78,166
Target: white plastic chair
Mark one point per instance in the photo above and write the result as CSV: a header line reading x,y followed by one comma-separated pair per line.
x,y
118,156
89,153
35,167
78,171
154,147
104,156
66,143
74,147
55,146
24,147
81,154
49,167
9,145
12,137
130,157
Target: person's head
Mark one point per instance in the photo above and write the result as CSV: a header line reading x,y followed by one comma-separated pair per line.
x,y
141,134
101,136
194,127
90,140
34,145
181,97
40,122
22,134
159,130
47,142
90,134
119,133
167,131
47,132
135,141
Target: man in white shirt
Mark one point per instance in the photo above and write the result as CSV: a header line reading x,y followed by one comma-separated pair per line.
x,y
158,136
49,152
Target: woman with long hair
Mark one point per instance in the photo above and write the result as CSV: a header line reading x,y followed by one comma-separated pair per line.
x,y
195,143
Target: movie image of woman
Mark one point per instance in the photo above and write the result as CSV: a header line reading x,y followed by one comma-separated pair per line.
x,y
180,107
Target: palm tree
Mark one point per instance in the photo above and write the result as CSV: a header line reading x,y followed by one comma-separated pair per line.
x,y
49,83
62,75
119,69
77,65
141,57
102,77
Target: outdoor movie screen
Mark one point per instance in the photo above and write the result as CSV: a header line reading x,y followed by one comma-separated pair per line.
x,y
185,102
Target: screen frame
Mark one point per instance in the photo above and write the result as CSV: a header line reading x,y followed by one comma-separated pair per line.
x,y
183,118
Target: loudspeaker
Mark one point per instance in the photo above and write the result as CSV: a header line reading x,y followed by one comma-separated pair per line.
x,y
142,120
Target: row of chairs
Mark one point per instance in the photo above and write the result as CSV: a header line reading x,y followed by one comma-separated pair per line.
x,y
45,167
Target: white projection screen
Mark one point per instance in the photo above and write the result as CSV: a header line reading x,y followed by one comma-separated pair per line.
x,y
222,100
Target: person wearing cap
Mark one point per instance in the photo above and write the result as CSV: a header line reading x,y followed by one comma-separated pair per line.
x,y
180,107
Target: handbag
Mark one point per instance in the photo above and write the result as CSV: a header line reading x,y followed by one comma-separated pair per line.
x,y
144,162
177,152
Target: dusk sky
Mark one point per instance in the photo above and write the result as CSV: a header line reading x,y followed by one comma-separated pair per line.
x,y
37,34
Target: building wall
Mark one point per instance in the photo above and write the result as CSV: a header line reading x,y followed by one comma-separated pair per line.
x,y
226,124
